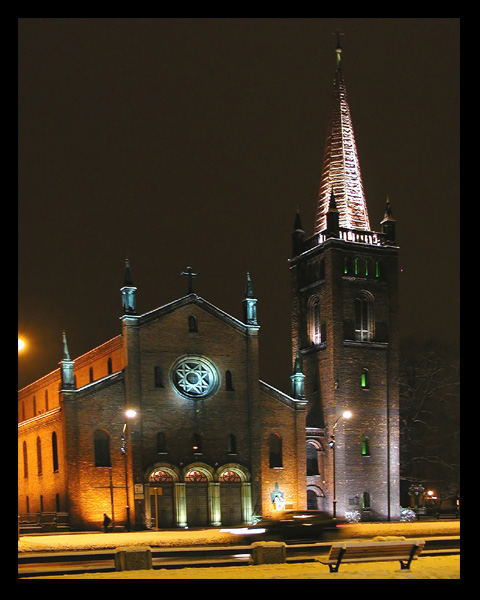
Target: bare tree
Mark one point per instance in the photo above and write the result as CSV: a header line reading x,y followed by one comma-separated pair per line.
x,y
430,418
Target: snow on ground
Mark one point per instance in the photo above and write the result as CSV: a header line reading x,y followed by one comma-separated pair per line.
x,y
439,567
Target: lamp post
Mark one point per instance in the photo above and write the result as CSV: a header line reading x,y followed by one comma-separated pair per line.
x,y
346,415
130,414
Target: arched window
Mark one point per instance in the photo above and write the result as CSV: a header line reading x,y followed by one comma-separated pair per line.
x,y
161,443
54,452
231,444
365,379
192,323
314,326
102,448
25,461
365,446
229,381
275,451
364,317
39,456
312,459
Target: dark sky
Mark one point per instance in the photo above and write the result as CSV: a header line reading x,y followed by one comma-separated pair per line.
x,y
191,141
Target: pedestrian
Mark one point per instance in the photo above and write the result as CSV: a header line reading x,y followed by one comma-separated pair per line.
x,y
106,522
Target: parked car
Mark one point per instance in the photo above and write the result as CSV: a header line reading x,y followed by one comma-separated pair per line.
x,y
294,525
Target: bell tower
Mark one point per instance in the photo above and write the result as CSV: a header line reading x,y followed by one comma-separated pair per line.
x,y
345,329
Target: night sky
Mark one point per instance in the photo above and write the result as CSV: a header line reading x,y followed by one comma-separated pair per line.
x,y
177,142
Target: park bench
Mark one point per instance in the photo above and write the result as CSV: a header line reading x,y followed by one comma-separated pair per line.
x,y
357,552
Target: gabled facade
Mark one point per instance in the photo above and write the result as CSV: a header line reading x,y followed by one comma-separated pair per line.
x,y
210,443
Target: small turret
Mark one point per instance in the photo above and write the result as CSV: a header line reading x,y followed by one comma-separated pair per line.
x,y
128,292
249,304
298,379
332,218
298,235
66,367
388,225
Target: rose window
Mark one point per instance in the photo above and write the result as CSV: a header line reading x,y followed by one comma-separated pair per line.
x,y
194,377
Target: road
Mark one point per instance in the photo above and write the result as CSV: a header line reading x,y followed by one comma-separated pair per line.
x,y
62,563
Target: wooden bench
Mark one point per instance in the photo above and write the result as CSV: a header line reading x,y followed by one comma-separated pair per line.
x,y
357,552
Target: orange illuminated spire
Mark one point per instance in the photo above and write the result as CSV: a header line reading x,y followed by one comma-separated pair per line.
x,y
341,170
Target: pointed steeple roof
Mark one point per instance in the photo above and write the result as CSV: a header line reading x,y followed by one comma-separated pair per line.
x,y
341,169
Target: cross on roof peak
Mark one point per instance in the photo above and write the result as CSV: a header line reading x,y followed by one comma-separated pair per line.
x,y
190,274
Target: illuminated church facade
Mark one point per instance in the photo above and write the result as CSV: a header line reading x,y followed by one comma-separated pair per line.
x,y
169,425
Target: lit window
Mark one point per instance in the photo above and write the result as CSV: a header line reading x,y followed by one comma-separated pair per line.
x,y
364,317
365,446
194,377
314,325
365,379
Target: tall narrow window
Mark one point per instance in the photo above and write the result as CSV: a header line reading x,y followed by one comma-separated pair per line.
x,y
34,405
90,374
366,501
57,502
101,440
39,456
365,379
54,452
364,317
25,461
158,377
229,381
377,269
109,366
192,323
314,325
312,459
365,446
231,444
161,443
275,451
46,400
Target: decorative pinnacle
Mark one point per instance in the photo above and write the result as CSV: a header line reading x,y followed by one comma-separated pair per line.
x,y
128,273
66,355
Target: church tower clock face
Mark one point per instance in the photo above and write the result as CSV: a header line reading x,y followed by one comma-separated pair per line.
x,y
194,377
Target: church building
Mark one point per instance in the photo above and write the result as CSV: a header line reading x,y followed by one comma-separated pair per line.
x,y
168,424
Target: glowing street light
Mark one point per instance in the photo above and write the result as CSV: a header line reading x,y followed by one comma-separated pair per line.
x,y
129,414
21,344
345,415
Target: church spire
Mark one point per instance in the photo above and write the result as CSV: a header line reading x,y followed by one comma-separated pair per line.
x,y
341,169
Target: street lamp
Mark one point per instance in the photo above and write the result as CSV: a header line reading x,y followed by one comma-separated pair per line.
x,y
21,344
130,414
345,415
